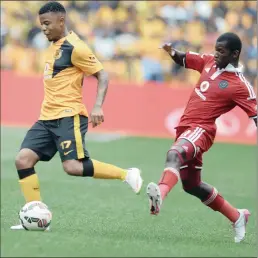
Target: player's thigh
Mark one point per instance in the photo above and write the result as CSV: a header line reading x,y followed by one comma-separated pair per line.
x,y
71,140
190,173
40,140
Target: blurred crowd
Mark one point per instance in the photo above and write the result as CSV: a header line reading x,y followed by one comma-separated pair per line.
x,y
126,35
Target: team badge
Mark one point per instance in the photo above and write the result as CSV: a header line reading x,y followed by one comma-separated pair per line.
x,y
58,53
223,84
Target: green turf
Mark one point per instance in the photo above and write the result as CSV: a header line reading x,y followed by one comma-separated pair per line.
x,y
105,218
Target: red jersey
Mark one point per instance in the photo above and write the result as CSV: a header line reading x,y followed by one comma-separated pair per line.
x,y
217,92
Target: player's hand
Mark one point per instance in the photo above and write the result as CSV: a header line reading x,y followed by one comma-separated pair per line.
x,y
168,48
97,116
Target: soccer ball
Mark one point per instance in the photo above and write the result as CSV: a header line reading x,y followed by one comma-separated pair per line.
x,y
35,216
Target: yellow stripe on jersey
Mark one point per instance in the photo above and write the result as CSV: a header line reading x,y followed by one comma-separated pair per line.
x,y
78,137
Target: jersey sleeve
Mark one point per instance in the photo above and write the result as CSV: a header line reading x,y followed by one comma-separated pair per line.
x,y
196,61
245,98
84,59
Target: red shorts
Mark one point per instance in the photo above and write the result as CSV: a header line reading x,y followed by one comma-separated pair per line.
x,y
197,142
199,139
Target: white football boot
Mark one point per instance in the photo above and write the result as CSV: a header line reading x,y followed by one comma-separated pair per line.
x,y
240,225
155,199
20,227
134,179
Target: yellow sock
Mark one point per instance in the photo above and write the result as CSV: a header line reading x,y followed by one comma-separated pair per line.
x,y
108,171
30,188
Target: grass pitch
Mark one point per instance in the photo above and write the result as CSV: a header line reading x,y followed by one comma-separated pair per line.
x,y
105,218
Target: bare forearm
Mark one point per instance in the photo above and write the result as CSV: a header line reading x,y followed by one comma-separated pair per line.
x,y
103,81
178,57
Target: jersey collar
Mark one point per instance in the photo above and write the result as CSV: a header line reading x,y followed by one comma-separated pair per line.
x,y
61,41
231,69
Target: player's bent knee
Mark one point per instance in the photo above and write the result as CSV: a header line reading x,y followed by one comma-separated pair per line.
x,y
173,159
73,167
201,191
192,191
26,158
195,191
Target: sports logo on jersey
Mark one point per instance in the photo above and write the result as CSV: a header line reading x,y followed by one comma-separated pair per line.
x,y
58,53
91,60
223,84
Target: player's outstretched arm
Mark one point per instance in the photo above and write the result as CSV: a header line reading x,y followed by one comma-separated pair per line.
x,y
176,55
97,116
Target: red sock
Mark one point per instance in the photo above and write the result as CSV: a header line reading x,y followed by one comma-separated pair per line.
x,y
229,211
216,202
168,180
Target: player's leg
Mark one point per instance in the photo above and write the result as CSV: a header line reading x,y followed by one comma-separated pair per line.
x,y
37,145
76,160
192,184
190,176
28,179
181,152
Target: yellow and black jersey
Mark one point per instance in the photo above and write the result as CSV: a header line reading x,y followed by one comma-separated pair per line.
x,y
66,62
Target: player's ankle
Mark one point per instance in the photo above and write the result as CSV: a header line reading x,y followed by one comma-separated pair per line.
x,y
164,190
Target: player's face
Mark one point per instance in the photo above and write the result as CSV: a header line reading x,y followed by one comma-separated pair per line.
x,y
223,56
52,25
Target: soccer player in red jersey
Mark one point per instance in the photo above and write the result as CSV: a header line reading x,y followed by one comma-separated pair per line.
x,y
221,87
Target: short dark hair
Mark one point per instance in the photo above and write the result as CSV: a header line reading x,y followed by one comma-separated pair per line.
x,y
52,7
233,41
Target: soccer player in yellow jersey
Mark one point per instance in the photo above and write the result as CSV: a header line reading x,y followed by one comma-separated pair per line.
x,y
63,121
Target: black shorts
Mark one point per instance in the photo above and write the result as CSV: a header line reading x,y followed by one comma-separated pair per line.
x,y
65,135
